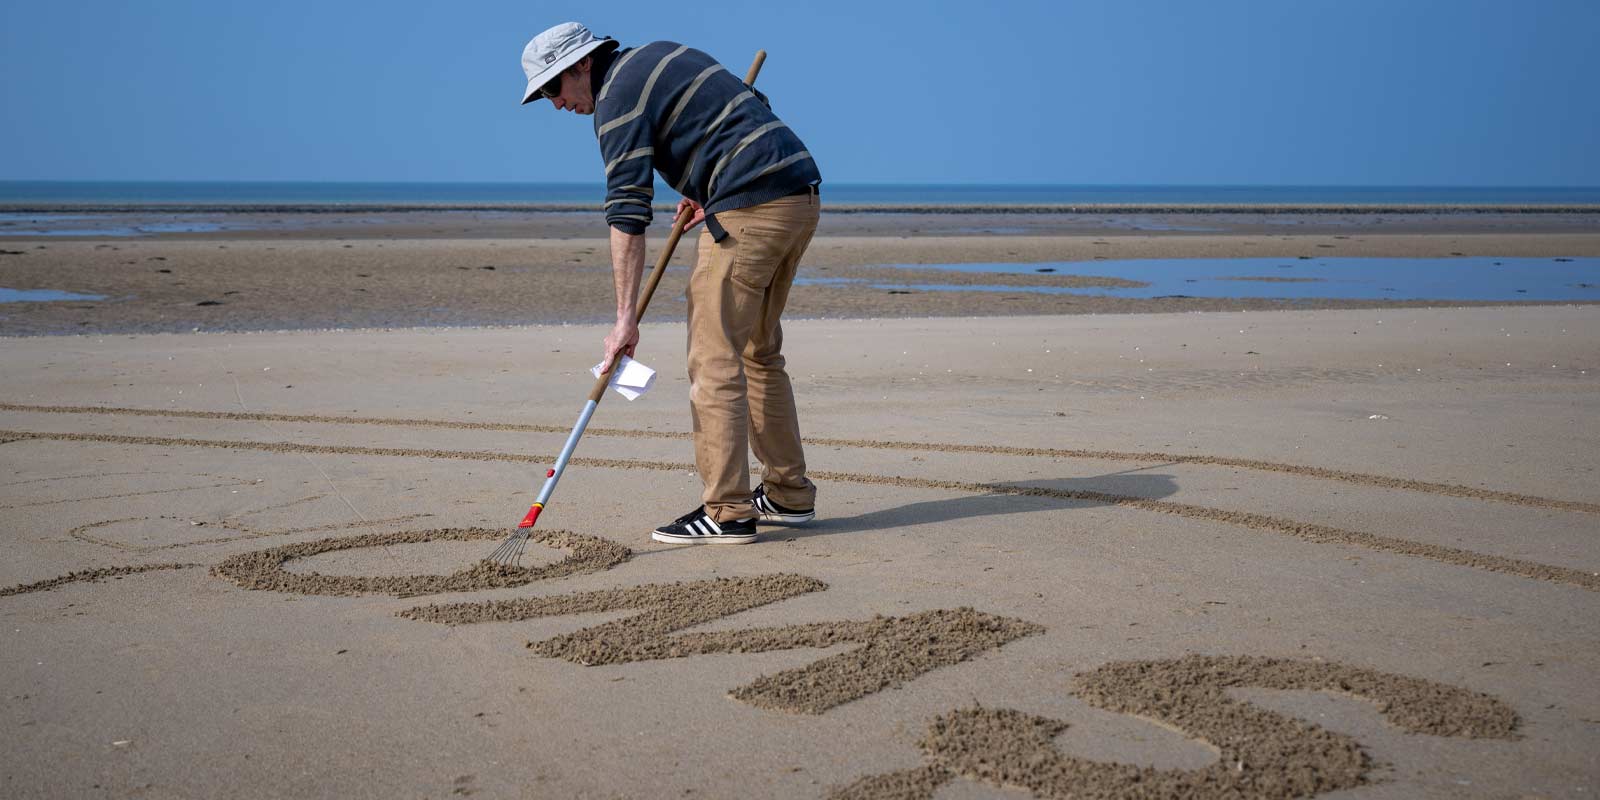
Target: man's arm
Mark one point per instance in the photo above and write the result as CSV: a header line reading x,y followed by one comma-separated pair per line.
x,y
627,266
627,149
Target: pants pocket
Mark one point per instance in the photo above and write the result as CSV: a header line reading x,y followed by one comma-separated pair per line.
x,y
758,252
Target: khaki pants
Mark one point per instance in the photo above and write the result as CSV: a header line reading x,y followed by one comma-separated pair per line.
x,y
739,394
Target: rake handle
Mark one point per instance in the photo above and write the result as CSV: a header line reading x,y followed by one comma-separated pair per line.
x,y
678,224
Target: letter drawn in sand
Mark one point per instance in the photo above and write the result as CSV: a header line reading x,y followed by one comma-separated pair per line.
x,y
89,576
263,569
893,651
1261,753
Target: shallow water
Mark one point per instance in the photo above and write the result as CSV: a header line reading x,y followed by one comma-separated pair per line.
x,y
997,230
42,296
1148,224
95,225
1482,279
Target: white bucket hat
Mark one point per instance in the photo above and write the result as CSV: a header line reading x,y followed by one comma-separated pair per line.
x,y
551,52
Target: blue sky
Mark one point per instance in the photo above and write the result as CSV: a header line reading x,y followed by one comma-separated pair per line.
x,y
1411,92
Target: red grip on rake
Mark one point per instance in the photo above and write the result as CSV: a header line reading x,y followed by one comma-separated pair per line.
x,y
533,514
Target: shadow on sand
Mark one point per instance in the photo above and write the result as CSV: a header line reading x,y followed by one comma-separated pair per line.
x,y
1126,483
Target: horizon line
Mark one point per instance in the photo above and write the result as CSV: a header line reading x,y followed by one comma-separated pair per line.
x,y
589,184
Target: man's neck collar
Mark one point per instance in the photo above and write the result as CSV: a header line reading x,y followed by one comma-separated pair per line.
x,y
601,65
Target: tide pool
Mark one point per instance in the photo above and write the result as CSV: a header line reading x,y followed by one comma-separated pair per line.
x,y
43,296
1462,278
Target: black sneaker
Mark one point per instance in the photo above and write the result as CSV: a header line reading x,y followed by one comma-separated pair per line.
x,y
772,512
696,527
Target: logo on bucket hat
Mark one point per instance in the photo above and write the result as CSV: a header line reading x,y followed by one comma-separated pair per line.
x,y
552,51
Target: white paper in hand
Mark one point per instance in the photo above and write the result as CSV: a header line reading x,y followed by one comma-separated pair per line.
x,y
629,378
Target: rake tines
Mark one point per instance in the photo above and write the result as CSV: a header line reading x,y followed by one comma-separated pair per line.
x,y
509,553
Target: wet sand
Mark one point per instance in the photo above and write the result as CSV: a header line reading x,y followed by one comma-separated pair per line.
x,y
444,268
1234,554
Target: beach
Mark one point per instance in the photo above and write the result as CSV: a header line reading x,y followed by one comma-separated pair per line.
x,y
258,271
1201,401
1212,546
1024,522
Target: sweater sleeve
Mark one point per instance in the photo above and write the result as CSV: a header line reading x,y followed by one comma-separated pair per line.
x,y
626,146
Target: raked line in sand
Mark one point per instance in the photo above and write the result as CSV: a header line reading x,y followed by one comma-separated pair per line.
x,y
1357,478
1322,534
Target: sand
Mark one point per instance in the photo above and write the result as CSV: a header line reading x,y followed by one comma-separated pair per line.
x,y
263,569
88,576
1260,754
1231,554
237,530
1584,578
458,268
893,650
929,447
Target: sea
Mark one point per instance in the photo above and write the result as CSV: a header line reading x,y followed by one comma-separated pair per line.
x,y
23,194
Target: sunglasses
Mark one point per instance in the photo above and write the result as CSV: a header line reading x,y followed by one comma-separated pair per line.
x,y
551,90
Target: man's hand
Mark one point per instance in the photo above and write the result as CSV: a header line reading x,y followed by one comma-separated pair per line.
x,y
699,213
624,337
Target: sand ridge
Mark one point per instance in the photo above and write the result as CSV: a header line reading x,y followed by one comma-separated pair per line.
x,y
89,576
1261,753
893,651
1311,532
1343,476
263,569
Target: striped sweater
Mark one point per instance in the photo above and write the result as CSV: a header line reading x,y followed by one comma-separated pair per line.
x,y
674,109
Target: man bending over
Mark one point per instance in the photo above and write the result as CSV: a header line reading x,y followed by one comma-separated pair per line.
x,y
670,109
